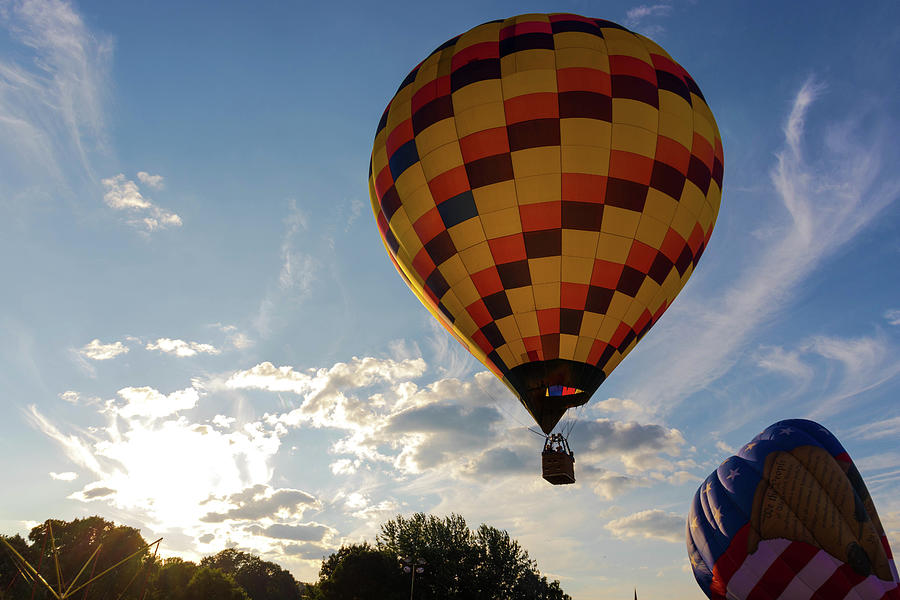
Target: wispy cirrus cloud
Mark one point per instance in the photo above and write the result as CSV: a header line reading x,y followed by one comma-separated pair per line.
x,y
636,18
52,109
124,195
849,365
828,201
297,273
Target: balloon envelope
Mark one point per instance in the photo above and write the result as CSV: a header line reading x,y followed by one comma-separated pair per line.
x,y
545,184
789,517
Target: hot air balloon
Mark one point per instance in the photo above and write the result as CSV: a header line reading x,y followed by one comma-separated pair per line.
x,y
789,517
545,184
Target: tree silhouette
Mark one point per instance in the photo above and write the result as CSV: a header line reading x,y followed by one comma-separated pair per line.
x,y
461,564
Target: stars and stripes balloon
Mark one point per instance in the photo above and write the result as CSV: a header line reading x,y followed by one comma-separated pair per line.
x,y
546,184
789,517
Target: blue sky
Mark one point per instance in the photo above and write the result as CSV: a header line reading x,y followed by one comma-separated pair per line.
x,y
201,335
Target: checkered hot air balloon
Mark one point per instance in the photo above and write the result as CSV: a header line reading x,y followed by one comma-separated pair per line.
x,y
546,184
789,517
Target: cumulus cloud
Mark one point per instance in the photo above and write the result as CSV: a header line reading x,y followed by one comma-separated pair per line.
x,y
152,181
892,316
97,350
307,551
609,485
150,403
308,532
261,501
502,461
653,524
629,438
315,383
622,406
66,476
70,396
181,348
124,195
151,460
91,493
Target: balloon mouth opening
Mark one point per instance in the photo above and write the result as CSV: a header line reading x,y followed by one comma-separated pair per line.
x,y
556,391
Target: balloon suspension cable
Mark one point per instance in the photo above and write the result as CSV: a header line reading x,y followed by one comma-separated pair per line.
x,y
578,413
503,408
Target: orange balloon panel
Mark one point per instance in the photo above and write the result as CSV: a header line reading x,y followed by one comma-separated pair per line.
x,y
546,185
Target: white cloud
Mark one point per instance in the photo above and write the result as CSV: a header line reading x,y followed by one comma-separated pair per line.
x,y
150,403
262,502
181,348
828,202
653,524
124,195
629,440
359,372
892,316
76,448
877,462
626,407
306,532
866,363
723,447
344,466
152,181
70,396
297,273
884,428
52,107
237,339
637,17
97,350
784,362
610,485
66,476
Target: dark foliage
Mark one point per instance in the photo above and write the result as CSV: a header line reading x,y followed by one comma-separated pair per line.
x,y
460,564
262,580
229,575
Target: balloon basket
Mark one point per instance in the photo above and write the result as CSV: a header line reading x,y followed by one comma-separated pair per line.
x,y
558,467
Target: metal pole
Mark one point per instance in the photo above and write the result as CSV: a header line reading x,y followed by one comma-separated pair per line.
x,y
412,584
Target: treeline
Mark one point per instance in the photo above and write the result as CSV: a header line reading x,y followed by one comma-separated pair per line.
x,y
442,558
228,575
448,560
